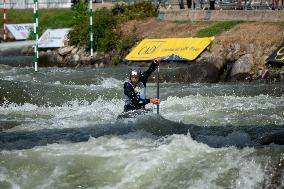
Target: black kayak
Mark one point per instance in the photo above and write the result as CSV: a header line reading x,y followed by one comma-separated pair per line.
x,y
133,113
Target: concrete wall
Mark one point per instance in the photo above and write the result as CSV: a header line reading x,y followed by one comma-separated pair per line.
x,y
24,4
222,15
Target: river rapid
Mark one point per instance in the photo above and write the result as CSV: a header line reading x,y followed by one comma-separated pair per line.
x,y
59,130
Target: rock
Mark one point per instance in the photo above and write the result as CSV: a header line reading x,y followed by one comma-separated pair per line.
x,y
81,51
65,50
205,56
59,59
25,49
237,48
251,48
85,60
95,54
230,57
31,51
48,59
66,60
74,60
101,65
242,66
200,72
217,60
75,50
76,57
41,53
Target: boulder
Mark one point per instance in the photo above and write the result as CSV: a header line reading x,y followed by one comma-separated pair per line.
x,y
205,72
81,51
101,65
66,60
65,50
59,59
74,50
74,61
217,59
76,57
48,58
242,67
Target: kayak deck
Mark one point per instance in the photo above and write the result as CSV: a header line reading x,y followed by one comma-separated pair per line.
x,y
133,113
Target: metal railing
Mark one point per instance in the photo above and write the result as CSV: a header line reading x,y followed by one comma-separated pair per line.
x,y
23,4
224,4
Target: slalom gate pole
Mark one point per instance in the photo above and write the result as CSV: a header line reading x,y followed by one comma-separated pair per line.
x,y
158,88
91,27
5,20
36,33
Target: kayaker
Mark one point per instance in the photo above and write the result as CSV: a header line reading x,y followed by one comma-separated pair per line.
x,y
134,88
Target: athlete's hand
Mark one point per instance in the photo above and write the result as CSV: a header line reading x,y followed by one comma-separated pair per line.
x,y
155,101
157,60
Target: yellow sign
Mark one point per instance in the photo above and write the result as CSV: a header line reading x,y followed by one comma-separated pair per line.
x,y
187,48
280,54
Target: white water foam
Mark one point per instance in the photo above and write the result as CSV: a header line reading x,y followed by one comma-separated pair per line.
x,y
4,178
69,115
104,83
224,110
137,160
199,110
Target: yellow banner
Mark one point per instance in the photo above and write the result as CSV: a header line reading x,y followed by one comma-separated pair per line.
x,y
187,48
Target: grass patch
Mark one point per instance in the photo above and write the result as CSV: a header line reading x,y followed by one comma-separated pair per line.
x,y
48,18
217,28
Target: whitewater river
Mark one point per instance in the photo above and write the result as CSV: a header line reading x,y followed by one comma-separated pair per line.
x,y
59,130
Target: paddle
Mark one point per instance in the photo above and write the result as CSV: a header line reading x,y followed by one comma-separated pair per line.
x,y
158,87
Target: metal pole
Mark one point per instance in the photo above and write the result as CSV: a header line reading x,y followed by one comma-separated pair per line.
x,y
158,88
36,33
5,20
91,28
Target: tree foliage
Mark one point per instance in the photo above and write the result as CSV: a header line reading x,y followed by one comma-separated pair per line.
x,y
106,35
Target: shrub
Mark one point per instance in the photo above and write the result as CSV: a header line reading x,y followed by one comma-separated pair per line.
x,y
104,29
138,10
106,35
104,24
79,34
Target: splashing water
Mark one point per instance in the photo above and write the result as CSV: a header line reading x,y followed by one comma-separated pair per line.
x,y
59,130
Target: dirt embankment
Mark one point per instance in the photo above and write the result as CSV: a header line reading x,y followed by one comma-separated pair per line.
x,y
236,54
255,40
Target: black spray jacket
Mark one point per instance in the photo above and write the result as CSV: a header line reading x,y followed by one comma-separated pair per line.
x,y
135,100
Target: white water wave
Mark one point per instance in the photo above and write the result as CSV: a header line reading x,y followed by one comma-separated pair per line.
x,y
132,161
69,115
224,110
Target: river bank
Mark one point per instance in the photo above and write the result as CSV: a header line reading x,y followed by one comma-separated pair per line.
x,y
238,54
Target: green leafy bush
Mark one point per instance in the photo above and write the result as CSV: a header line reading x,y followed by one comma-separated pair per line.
x,y
104,24
104,29
123,48
138,10
106,35
80,33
